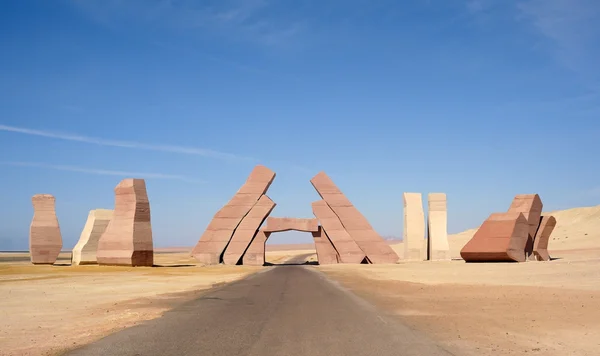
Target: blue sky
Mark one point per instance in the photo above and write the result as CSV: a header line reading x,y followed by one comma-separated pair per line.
x,y
481,99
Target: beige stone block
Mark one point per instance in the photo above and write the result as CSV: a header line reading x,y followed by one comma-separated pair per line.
x,y
414,228
438,247
86,249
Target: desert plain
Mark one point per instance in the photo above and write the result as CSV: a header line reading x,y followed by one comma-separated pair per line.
x,y
545,308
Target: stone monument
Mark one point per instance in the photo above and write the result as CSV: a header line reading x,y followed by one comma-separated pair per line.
x,y
85,250
45,241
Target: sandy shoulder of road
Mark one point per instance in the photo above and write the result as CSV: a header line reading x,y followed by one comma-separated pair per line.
x,y
533,308
48,309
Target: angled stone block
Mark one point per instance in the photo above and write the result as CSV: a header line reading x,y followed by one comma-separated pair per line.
x,y
291,224
326,253
530,205
540,246
348,250
214,240
127,240
376,249
413,238
255,254
438,248
501,238
45,241
241,239
85,250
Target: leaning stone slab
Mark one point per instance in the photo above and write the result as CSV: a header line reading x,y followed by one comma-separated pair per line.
x,y
348,250
275,224
531,207
326,253
255,254
220,230
45,241
438,248
370,242
84,252
241,239
501,238
415,246
540,246
127,240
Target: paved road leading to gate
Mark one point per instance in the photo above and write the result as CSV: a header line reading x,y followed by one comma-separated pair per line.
x,y
285,311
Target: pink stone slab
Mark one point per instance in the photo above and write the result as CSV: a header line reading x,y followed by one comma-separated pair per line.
x,y
45,241
127,240
326,253
275,224
348,250
246,230
255,254
374,246
211,246
542,237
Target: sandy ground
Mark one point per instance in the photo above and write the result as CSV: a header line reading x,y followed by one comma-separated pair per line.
x,y
533,308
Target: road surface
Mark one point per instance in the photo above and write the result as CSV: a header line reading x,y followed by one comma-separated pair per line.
x,y
284,311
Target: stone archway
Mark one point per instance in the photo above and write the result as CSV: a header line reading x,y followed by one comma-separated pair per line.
x,y
326,253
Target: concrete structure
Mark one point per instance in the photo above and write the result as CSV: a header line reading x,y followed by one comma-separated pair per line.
x,y
501,238
86,248
531,207
540,245
370,242
438,248
127,240
248,227
255,254
214,240
326,253
45,241
348,250
415,245
287,224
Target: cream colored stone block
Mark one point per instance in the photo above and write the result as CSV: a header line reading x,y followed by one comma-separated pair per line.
x,y
438,248
86,248
414,227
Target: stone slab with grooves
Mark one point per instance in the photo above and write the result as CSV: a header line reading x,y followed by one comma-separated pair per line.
x,y
45,240
326,253
86,249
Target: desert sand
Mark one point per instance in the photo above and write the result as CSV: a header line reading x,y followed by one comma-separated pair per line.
x,y
539,308
549,308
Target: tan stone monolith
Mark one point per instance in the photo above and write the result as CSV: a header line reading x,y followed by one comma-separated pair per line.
x,y
45,240
248,227
275,224
413,238
127,240
530,205
255,254
501,238
326,253
220,230
542,237
85,250
348,250
438,248
376,249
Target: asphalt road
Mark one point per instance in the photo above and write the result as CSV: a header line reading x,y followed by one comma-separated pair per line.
x,y
284,311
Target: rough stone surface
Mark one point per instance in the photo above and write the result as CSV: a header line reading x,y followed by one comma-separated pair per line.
x,y
127,240
220,230
370,242
326,253
86,248
348,250
415,245
438,248
530,205
255,254
287,224
501,238
540,246
246,230
45,241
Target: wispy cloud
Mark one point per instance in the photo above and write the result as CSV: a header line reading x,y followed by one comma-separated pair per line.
x,y
570,29
103,172
125,144
250,20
